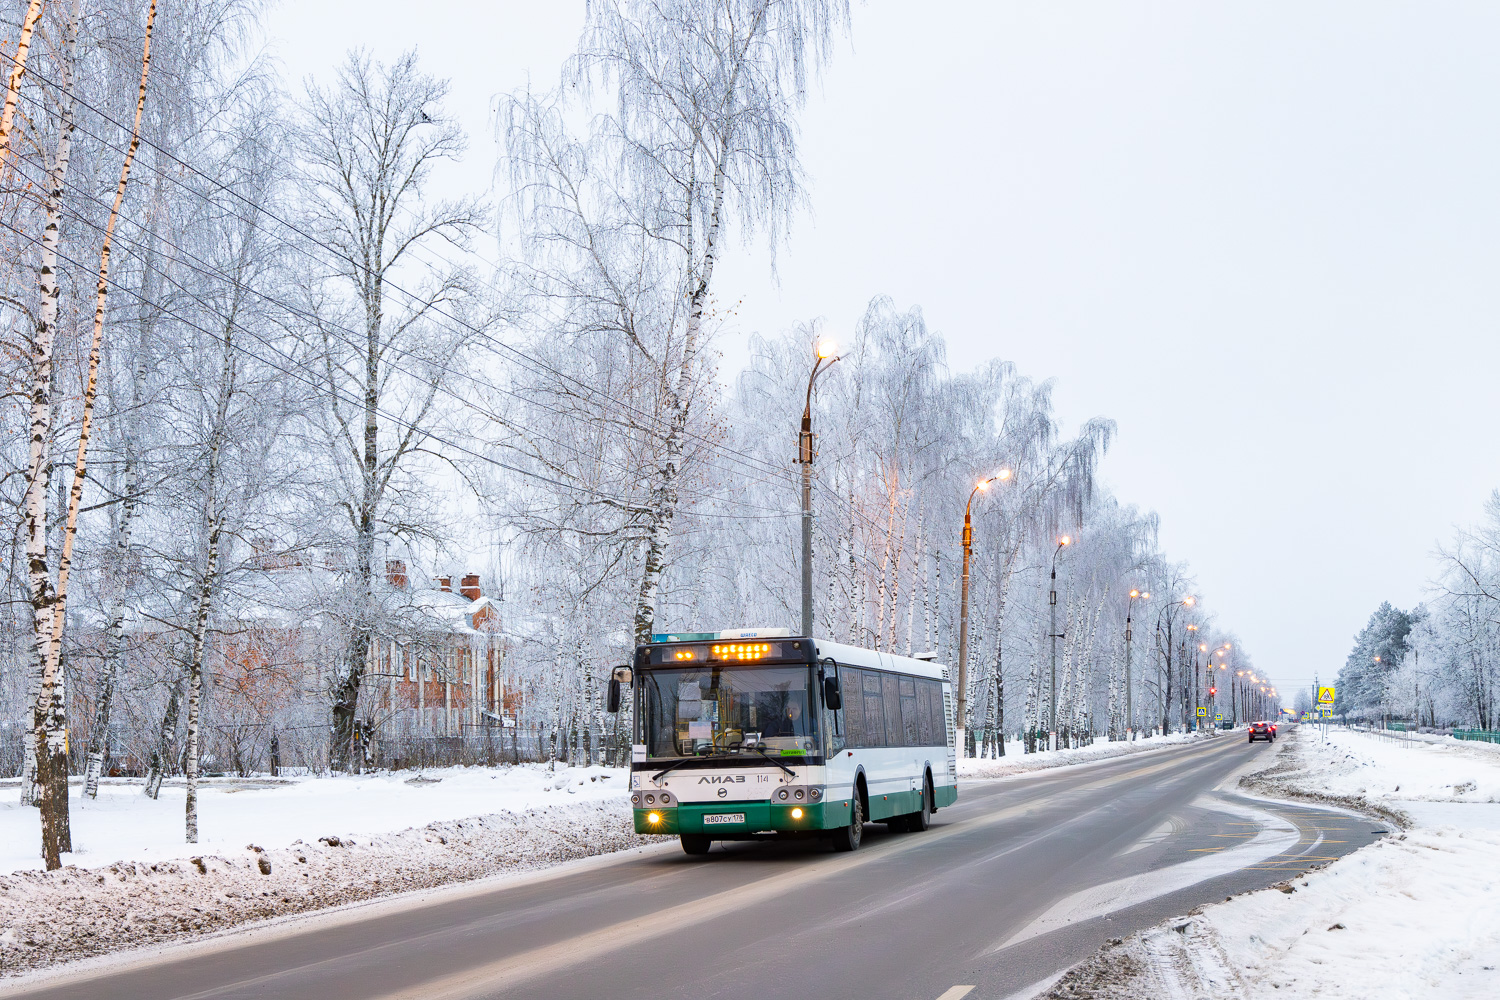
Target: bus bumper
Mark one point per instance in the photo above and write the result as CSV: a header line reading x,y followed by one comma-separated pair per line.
x,y
760,817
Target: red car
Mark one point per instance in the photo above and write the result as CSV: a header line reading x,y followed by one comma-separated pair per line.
x,y
1262,731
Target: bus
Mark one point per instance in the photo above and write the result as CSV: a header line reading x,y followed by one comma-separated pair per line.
x,y
755,734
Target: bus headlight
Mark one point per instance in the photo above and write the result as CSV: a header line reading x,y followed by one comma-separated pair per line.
x,y
796,813
653,818
782,794
815,794
635,799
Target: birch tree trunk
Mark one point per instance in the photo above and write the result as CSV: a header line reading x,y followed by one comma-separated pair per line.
x,y
215,515
664,497
49,606
13,82
160,759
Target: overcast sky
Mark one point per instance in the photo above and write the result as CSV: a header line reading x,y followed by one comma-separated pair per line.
x,y
1260,236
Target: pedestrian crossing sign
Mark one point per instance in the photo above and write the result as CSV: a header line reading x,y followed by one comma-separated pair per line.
x,y
1219,717
1202,712
1327,711
1325,696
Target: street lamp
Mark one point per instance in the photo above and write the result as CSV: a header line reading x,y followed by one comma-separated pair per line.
x,y
1129,700
963,611
825,354
1062,543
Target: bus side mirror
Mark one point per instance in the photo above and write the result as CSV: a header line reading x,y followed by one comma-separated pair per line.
x,y
618,676
831,696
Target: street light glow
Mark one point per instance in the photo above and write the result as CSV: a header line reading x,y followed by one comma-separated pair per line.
x,y
1003,474
1065,540
826,349
1189,600
1135,593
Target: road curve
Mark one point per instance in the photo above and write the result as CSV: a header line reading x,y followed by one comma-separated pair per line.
x,y
1020,879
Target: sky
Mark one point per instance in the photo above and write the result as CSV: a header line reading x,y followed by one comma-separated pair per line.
x,y
1261,237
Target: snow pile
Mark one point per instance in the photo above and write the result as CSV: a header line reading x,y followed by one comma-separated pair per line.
x,y
49,917
1015,762
1415,914
124,825
1395,772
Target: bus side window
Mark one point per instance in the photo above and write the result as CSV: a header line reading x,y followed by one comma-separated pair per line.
x,y
909,724
924,714
850,680
893,735
939,717
875,734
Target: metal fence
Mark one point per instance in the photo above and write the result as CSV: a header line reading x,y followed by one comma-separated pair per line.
x,y
300,750
1478,735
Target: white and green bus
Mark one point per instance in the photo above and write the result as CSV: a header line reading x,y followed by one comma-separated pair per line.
x,y
753,734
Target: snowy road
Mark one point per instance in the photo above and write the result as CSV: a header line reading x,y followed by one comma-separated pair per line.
x,y
1022,878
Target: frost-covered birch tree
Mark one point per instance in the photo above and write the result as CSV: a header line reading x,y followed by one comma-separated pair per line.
x,y
390,318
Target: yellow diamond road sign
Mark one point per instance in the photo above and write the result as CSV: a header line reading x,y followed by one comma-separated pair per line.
x,y
1325,696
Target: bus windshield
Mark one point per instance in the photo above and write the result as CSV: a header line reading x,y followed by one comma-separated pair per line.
x,y
730,709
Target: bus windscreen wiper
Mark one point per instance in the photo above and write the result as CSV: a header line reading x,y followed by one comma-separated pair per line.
x,y
676,764
768,757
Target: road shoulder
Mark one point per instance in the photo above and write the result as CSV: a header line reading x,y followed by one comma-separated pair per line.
x,y
1407,916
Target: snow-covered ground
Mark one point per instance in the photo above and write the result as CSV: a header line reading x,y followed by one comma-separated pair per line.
x,y
1416,914
124,825
1015,762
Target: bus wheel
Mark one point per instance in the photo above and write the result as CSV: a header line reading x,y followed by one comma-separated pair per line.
x,y
695,843
922,818
849,837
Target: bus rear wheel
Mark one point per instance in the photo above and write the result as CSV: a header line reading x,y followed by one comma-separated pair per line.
x,y
849,837
695,843
915,822
922,818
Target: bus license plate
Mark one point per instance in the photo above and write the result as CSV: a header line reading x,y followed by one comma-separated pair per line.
x,y
713,818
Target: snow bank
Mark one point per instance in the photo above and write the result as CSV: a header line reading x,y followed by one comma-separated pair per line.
x,y
271,848
49,917
1015,762
124,825
1415,914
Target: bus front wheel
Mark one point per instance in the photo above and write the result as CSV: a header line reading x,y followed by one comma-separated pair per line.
x,y
849,837
695,843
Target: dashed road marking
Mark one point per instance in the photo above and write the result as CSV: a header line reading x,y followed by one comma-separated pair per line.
x,y
956,992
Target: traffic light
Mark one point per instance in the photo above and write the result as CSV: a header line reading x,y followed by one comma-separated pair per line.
x,y
1213,691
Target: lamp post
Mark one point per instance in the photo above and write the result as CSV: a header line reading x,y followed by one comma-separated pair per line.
x,y
963,613
824,359
1129,700
1062,543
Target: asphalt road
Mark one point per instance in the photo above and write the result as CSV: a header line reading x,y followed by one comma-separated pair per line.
x,y
1020,879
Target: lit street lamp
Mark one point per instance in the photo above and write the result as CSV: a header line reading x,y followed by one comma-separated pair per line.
x,y
1129,699
825,358
963,612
